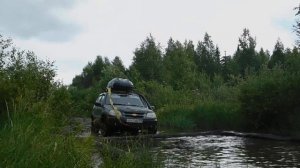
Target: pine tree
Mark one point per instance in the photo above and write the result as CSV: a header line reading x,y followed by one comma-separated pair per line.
x,y
278,56
117,62
263,57
207,56
246,56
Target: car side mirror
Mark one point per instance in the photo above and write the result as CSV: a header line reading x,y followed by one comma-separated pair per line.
x,y
152,107
98,104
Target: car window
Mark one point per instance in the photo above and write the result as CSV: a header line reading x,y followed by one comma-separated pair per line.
x,y
144,101
103,99
126,100
100,99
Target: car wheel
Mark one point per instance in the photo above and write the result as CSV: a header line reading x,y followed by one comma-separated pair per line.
x,y
152,130
94,130
134,132
105,131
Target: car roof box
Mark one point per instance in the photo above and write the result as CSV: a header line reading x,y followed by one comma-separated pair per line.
x,y
120,85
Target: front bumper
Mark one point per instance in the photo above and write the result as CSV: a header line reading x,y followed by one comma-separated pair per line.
x,y
122,124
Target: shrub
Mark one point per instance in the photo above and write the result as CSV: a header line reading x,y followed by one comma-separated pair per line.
x,y
271,100
203,116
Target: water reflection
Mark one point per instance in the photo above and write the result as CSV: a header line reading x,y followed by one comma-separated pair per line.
x,y
222,151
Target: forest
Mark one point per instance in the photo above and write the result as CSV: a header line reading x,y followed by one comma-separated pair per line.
x,y
192,85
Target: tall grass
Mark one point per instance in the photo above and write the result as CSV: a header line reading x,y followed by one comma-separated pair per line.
x,y
202,116
129,154
33,137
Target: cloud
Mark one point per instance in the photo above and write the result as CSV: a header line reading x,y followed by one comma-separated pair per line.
x,y
115,27
40,19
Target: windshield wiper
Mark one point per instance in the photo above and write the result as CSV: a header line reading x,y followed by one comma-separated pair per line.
x,y
134,105
119,104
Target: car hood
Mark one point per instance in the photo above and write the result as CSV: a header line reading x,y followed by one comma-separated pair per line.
x,y
131,109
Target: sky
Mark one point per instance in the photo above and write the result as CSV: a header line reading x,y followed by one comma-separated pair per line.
x,y
73,32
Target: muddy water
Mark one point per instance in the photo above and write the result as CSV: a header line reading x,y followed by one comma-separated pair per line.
x,y
214,151
227,151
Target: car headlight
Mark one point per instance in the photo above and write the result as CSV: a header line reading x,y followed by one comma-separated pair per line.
x,y
151,115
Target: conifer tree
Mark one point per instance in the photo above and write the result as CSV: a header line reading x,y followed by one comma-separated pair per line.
x,y
246,56
278,56
207,56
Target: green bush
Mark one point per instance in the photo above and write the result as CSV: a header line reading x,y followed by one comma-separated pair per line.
x,y
33,112
82,100
270,100
22,73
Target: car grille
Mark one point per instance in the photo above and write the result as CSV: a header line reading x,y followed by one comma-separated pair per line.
x,y
133,115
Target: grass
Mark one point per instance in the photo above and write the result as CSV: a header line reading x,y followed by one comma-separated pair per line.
x,y
177,117
204,116
129,154
33,139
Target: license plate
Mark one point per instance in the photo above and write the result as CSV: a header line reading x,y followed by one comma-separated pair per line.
x,y
134,120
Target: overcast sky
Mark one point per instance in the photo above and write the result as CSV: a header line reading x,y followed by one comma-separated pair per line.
x,y
74,32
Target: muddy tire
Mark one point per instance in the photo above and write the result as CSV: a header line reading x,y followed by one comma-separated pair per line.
x,y
152,130
134,132
94,130
105,131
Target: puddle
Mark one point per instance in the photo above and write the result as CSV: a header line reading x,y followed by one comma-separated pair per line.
x,y
208,150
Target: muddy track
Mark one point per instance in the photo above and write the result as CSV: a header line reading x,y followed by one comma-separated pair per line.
x,y
83,130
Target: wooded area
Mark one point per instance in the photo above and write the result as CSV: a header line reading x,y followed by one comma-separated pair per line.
x,y
193,86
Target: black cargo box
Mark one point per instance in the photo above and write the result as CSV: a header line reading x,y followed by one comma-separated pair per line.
x,y
120,85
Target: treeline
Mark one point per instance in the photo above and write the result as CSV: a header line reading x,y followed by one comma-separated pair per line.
x,y
182,62
252,86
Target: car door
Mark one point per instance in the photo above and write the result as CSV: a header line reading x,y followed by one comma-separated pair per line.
x,y
98,106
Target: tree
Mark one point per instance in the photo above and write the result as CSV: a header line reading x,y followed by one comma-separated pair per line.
x,y
4,44
278,56
292,62
217,60
263,57
147,60
117,62
179,65
91,73
246,56
297,26
97,68
207,57
22,74
227,67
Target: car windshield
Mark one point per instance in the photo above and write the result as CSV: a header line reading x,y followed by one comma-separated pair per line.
x,y
126,100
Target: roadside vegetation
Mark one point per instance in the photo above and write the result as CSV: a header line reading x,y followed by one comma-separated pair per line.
x,y
193,87
130,153
34,110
